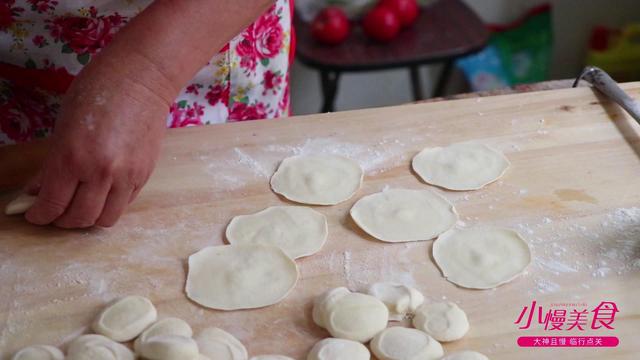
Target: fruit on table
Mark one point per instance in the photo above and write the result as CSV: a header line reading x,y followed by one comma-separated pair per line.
x,y
407,10
381,23
331,26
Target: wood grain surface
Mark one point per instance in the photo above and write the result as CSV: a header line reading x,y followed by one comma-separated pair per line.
x,y
572,192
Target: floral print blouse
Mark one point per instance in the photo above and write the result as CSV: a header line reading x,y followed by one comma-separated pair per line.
x,y
45,43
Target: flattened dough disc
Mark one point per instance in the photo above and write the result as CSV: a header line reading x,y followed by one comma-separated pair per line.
x,y
463,166
317,179
232,277
481,257
400,215
299,231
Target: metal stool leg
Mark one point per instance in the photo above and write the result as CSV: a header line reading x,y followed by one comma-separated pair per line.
x,y
416,84
444,79
329,81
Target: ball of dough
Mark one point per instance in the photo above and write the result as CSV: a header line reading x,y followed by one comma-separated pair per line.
x,y
399,299
220,345
481,257
317,179
465,355
232,277
444,321
400,343
350,316
39,352
338,349
299,231
357,317
166,326
126,318
20,205
169,347
97,347
323,304
271,357
401,215
463,166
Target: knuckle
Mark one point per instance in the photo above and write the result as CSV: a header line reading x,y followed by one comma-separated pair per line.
x,y
53,207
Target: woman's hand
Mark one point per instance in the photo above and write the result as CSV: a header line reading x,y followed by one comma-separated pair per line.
x,y
112,119
106,141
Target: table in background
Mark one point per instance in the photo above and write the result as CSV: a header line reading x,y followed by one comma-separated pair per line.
x,y
444,31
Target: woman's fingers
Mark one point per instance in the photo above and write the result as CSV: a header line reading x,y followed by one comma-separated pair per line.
x,y
117,201
34,185
86,207
54,196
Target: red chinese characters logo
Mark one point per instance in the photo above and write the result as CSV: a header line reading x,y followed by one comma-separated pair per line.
x,y
601,316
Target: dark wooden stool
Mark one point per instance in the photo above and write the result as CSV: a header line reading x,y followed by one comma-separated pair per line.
x,y
445,31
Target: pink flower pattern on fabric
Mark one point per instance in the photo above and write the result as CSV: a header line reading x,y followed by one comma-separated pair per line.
x,y
247,80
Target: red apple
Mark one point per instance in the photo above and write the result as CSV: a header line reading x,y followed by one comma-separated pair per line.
x,y
331,26
381,23
407,10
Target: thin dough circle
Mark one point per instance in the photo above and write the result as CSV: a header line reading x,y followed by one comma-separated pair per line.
x,y
39,352
220,345
444,321
299,231
338,349
233,277
401,215
357,317
20,205
400,343
399,299
97,347
126,318
465,355
317,179
169,347
166,326
463,166
481,258
271,357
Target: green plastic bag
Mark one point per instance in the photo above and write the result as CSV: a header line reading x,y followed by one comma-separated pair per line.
x,y
517,53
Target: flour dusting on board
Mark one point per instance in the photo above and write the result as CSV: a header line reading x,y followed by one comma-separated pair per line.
x,y
373,159
235,168
609,247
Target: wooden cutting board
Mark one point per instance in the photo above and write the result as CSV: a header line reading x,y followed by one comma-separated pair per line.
x,y
572,191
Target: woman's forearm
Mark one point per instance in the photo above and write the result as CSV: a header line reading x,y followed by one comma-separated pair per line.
x,y
165,45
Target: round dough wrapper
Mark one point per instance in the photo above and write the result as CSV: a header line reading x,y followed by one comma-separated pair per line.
x,y
97,347
271,357
400,343
338,349
465,355
232,277
481,258
169,347
399,299
39,352
357,317
20,205
323,304
166,326
220,345
401,215
463,166
444,321
126,318
317,179
298,231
